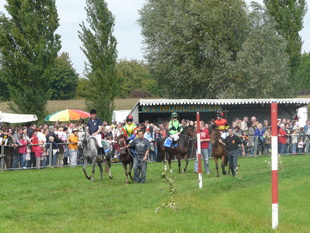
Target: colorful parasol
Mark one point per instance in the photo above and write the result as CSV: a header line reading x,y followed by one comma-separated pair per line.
x,y
67,115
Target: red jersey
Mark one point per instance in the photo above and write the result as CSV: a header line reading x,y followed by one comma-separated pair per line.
x,y
282,139
204,134
221,124
34,140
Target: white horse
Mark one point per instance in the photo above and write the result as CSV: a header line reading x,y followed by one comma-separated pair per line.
x,y
89,147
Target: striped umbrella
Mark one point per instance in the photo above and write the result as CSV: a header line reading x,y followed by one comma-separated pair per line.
x,y
67,115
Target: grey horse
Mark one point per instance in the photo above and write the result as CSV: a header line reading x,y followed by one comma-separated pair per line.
x,y
89,147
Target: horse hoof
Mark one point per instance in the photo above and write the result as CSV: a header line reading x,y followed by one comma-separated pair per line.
x,y
88,177
218,175
224,173
111,177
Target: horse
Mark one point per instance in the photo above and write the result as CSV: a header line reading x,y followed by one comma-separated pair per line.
x,y
186,136
125,156
218,150
89,147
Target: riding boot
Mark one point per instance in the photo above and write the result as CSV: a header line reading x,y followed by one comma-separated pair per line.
x,y
173,144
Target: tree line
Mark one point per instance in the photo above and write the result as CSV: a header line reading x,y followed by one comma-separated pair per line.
x,y
193,49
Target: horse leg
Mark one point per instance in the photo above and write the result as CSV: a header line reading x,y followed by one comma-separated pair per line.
x,y
100,168
165,160
217,166
130,169
125,170
110,172
169,162
223,165
93,170
186,159
84,169
179,163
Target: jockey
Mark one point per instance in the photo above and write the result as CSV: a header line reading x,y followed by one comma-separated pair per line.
x,y
130,129
95,127
174,127
221,123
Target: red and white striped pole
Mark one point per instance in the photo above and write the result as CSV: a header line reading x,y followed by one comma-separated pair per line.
x,y
274,165
199,151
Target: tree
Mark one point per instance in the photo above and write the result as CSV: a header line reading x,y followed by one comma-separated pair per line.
x,y
303,75
64,79
28,48
261,69
190,44
134,75
4,89
99,46
289,15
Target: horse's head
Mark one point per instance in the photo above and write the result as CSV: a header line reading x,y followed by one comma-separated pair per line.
x,y
190,131
215,134
121,142
83,137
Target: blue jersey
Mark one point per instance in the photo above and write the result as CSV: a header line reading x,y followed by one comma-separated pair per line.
x,y
94,125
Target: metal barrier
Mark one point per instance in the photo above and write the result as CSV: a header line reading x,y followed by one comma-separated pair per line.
x,y
251,151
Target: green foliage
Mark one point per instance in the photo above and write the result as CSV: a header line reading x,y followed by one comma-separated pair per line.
x,y
99,46
190,44
82,87
36,199
4,89
64,79
303,74
261,69
289,15
134,75
28,47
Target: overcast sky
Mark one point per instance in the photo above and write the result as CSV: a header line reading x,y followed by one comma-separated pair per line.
x,y
126,30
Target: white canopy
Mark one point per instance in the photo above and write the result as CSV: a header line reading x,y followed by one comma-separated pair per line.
x,y
17,118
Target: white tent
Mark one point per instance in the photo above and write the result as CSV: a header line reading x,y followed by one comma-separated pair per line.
x,y
17,118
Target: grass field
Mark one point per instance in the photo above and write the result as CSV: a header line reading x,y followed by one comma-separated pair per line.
x,y
62,200
57,105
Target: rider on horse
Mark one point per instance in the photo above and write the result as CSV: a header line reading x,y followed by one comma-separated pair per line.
x,y
129,129
221,123
174,128
95,127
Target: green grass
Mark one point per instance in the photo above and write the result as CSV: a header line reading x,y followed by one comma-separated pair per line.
x,y
63,200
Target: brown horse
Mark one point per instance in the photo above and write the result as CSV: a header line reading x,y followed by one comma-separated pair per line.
x,y
125,156
187,136
218,150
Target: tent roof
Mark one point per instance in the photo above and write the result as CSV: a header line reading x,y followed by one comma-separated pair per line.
x,y
17,118
147,102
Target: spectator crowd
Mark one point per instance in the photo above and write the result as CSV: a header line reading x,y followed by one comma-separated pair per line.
x,y
32,146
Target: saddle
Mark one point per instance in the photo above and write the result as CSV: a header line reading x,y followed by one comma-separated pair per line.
x,y
169,143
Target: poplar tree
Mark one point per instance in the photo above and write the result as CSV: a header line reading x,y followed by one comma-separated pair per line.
x,y
289,15
28,47
99,46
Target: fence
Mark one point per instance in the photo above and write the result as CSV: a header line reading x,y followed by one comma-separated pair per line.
x,y
252,148
12,156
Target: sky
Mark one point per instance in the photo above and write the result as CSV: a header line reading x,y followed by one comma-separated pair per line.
x,y
126,30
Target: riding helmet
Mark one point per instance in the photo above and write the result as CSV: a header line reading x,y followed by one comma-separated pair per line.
x,y
219,114
174,115
93,111
129,118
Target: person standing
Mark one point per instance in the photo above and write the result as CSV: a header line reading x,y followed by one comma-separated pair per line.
x,y
142,148
231,142
95,127
204,139
73,147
